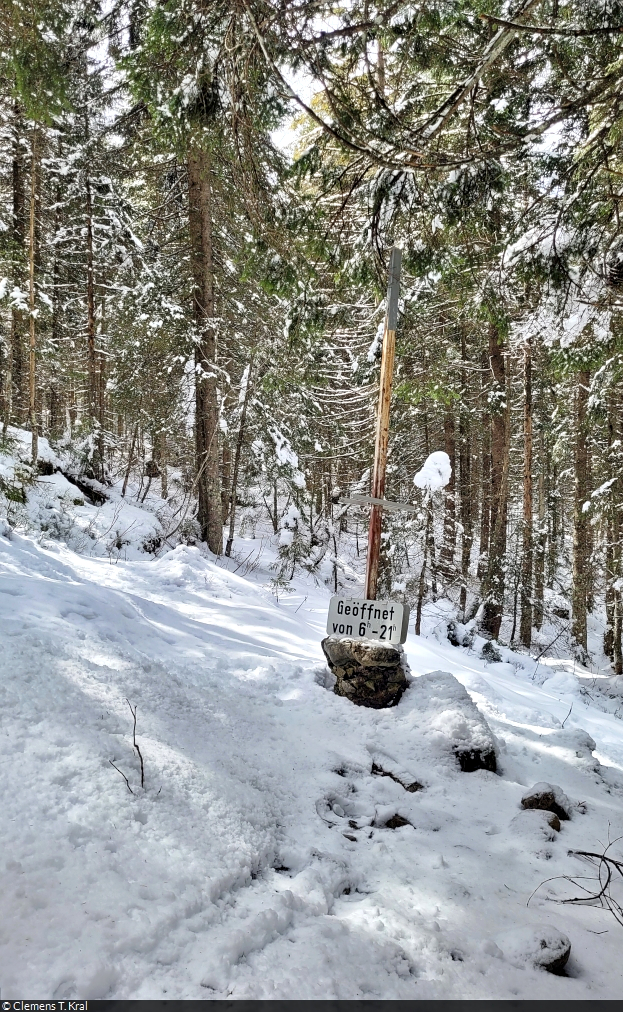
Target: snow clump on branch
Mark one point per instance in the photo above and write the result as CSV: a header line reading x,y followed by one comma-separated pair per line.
x,y
435,473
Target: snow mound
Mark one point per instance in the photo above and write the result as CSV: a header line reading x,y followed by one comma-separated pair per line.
x,y
544,947
535,826
452,721
56,504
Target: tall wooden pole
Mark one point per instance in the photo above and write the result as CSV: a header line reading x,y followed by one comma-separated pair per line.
x,y
382,422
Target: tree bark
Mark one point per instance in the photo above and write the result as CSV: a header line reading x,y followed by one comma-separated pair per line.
x,y
580,515
541,544
91,363
422,581
617,624
610,538
485,479
15,399
449,523
32,361
465,479
206,394
525,622
494,583
236,468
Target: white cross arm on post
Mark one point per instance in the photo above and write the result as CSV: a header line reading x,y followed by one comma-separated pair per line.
x,y
368,500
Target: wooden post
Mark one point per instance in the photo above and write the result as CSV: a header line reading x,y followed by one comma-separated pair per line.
x,y
382,422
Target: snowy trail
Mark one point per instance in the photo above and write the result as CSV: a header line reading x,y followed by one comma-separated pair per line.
x,y
254,865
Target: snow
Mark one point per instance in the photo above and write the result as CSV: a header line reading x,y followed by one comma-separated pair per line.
x,y
435,473
256,863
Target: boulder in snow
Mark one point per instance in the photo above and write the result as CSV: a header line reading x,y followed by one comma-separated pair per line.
x,y
459,635
536,825
545,948
491,653
451,713
549,798
369,674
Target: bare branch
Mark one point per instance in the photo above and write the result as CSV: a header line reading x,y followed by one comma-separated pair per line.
x,y
122,774
575,33
133,712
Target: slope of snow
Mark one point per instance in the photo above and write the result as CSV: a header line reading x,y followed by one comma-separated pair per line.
x,y
256,862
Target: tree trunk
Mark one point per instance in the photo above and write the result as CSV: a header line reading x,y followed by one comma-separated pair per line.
x,y
465,481
494,583
236,469
617,623
541,544
208,481
32,362
580,515
485,479
610,574
164,482
609,591
130,459
422,583
16,398
525,622
449,523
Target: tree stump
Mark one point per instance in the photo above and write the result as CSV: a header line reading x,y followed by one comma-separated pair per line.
x,y
369,674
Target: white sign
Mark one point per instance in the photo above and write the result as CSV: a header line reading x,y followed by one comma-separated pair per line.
x,y
371,620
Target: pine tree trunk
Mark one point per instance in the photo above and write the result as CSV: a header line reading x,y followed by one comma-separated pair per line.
x,y
237,458
609,591
539,562
485,479
494,582
617,623
206,394
525,622
422,582
14,404
610,538
164,480
93,398
465,481
580,515
449,524
32,361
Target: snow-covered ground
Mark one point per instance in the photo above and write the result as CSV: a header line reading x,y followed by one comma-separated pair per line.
x,y
256,863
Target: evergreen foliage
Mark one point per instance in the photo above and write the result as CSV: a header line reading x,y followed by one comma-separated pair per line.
x,y
185,302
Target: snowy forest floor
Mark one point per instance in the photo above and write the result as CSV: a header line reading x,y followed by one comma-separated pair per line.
x,y
254,863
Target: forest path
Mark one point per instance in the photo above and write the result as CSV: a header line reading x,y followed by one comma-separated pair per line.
x,y
254,864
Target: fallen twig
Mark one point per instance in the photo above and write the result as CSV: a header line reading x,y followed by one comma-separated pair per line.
x,y
600,893
133,712
122,774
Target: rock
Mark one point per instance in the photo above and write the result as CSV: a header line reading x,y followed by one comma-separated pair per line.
x,y
451,715
369,674
536,825
549,798
396,822
459,635
490,653
545,948
404,780
577,748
